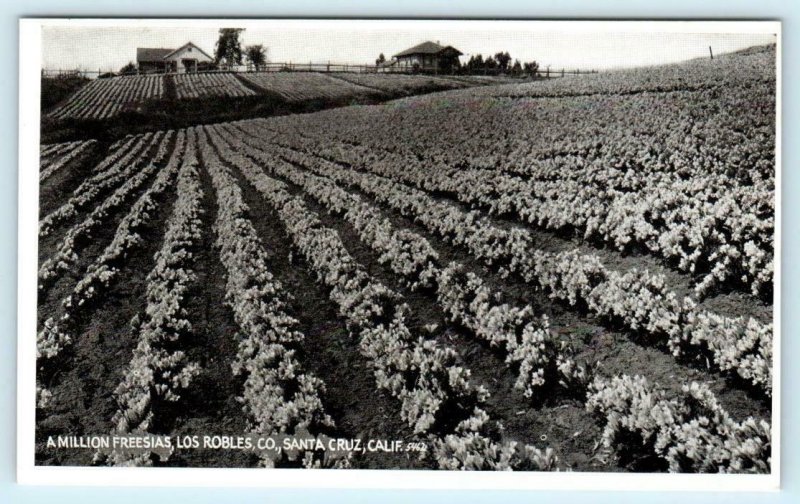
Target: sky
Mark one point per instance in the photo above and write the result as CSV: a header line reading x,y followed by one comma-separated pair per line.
x,y
95,45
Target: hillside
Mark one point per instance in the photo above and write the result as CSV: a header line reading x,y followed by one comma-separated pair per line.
x,y
112,107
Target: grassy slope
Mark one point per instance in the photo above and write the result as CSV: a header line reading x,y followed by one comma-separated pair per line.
x,y
56,90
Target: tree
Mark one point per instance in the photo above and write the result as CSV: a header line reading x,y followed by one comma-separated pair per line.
x,y
381,60
130,68
503,59
516,70
228,50
256,55
531,68
490,64
475,64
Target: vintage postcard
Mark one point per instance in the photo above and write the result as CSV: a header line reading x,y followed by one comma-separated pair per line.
x,y
400,253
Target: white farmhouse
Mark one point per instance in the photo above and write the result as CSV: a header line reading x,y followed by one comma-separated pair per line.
x,y
186,58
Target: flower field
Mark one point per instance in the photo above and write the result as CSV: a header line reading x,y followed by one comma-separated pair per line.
x,y
565,275
107,98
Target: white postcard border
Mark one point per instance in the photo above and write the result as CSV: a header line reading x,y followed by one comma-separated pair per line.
x,y
30,474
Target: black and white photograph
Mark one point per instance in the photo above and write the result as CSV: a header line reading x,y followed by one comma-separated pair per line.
x,y
412,246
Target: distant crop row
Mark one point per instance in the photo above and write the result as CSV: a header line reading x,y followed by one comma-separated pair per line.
x,y
209,85
105,98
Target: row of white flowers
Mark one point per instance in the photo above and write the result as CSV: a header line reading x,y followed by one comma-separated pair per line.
x,y
54,150
54,162
690,222
56,332
117,167
159,370
463,296
423,375
278,396
637,298
526,338
78,236
124,143
691,432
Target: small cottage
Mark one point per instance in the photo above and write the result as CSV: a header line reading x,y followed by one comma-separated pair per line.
x,y
428,57
186,58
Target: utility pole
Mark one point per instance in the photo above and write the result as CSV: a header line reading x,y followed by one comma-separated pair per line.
x,y
710,52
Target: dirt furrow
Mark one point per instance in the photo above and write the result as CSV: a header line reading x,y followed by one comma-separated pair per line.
x,y
89,371
328,350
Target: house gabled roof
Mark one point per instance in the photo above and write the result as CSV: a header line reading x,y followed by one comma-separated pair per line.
x,y
426,48
184,46
149,54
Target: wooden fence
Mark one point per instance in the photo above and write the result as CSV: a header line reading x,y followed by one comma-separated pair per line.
x,y
67,74
547,73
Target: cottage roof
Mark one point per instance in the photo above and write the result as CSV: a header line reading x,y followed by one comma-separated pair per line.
x,y
426,48
184,46
148,54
